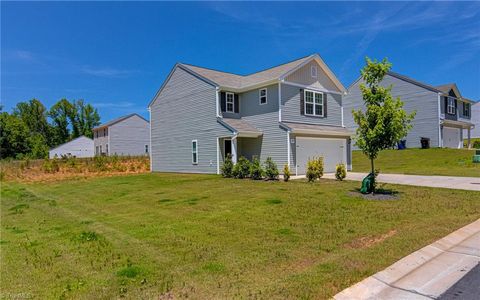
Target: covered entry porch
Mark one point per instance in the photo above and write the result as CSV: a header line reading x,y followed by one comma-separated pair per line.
x,y
245,141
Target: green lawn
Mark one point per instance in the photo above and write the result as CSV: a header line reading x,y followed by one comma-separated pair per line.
x,y
449,162
201,236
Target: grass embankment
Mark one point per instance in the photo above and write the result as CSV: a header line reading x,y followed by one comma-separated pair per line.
x,y
201,236
448,162
63,168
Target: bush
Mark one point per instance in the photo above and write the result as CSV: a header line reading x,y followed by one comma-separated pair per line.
x,y
100,163
271,170
256,171
227,167
476,144
286,173
241,169
50,166
340,172
314,169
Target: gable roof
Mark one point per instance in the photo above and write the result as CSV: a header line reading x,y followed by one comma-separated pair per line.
x,y
80,137
241,83
445,88
118,120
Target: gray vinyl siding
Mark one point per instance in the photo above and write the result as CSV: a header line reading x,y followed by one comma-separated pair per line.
x,y
185,111
101,140
129,137
475,119
415,98
291,108
264,117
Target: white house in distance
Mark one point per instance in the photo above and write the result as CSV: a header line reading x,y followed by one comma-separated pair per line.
x,y
127,135
79,147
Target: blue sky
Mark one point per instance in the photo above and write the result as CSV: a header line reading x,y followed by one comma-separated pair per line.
x,y
116,55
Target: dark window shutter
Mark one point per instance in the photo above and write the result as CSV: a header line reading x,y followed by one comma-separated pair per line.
x,y
235,104
325,104
223,101
302,103
446,105
455,105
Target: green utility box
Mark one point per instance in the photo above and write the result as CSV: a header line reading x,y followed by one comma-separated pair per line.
x,y
476,157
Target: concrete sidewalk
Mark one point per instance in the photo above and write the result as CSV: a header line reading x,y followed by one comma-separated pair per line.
x,y
425,274
449,182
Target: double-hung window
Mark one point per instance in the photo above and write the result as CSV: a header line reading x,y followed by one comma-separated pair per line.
x,y
451,106
194,152
466,109
263,96
229,100
313,103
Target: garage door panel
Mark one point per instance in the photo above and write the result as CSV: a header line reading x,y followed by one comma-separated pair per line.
x,y
451,137
333,152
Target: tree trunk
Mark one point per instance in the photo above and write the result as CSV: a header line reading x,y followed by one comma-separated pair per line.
x,y
373,172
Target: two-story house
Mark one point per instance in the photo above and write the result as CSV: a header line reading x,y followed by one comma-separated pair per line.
x,y
442,114
127,135
290,112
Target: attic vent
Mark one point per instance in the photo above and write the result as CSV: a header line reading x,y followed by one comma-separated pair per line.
x,y
314,71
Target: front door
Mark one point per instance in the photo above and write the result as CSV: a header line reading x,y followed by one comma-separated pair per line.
x,y
227,148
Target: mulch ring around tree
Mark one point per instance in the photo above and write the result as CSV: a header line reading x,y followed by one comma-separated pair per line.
x,y
380,195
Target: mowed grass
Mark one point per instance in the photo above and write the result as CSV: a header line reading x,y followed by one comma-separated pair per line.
x,y
202,237
448,162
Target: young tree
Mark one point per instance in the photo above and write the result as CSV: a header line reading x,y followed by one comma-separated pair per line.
x,y
384,122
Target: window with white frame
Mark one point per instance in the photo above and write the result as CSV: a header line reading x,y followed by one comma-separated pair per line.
x,y
466,109
451,106
313,103
263,96
229,100
313,71
194,152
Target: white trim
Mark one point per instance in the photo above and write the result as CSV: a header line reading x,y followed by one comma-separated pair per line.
x,y
234,149
196,151
314,74
313,103
341,111
218,155
279,101
217,102
226,102
312,88
260,96
150,137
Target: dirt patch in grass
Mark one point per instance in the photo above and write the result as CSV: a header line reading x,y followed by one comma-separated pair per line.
x,y
379,195
369,241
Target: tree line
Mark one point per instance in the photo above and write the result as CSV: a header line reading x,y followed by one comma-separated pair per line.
x,y
32,129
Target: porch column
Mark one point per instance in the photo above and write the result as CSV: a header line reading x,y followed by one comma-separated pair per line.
x,y
218,155
234,149
469,144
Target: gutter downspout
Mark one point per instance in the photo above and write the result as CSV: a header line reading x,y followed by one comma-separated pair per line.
x,y
440,141
150,139
280,100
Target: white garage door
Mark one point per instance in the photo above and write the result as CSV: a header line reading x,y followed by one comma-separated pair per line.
x,y
451,137
333,151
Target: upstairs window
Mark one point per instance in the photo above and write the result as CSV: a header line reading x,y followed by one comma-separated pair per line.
x,y
451,106
230,98
466,109
313,71
313,103
105,132
263,96
146,148
194,152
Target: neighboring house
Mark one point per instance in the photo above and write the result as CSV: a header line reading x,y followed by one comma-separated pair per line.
x,y
79,147
289,112
441,112
127,135
475,133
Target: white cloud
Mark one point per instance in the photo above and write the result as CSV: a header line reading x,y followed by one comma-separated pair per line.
x,y
107,72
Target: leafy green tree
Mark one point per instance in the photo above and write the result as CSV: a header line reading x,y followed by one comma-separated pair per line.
x,y
384,122
62,113
34,115
14,134
38,147
87,118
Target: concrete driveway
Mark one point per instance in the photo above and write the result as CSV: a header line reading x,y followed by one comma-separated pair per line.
x,y
448,182
441,270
